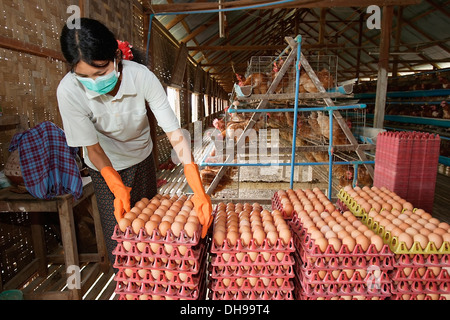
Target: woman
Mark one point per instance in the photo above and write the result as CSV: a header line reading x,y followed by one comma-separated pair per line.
x,y
102,102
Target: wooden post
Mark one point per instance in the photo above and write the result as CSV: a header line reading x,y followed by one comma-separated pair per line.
x,y
383,66
398,33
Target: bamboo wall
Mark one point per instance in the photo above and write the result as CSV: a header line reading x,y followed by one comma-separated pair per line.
x,y
31,64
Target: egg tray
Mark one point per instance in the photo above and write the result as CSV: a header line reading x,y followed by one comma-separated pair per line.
x,y
300,296
428,276
191,278
334,289
251,295
277,205
312,278
303,239
422,260
341,206
421,296
163,292
350,203
252,246
161,256
219,260
156,237
251,271
418,287
219,285
399,247
333,263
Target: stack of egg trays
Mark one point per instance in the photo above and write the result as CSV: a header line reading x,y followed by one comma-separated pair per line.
x,y
421,277
173,276
311,261
234,275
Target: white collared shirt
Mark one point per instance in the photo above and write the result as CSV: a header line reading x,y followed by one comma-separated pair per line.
x,y
118,123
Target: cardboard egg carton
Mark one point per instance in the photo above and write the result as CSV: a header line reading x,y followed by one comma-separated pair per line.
x,y
251,295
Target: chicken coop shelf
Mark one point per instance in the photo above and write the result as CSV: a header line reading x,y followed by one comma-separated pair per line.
x,y
313,90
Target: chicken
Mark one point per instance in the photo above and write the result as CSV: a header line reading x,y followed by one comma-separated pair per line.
x,y
364,178
286,82
258,81
323,121
445,110
219,124
326,79
346,179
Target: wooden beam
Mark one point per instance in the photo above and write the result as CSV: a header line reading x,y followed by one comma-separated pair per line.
x,y
260,47
383,66
186,7
29,48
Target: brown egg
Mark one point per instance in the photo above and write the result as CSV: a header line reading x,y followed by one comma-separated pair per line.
x,y
150,226
140,204
377,241
219,238
130,215
436,239
407,239
136,210
124,223
363,241
272,237
246,237
421,239
232,237
322,243
137,224
163,227
440,231
446,237
336,243
259,235
349,242
285,235
190,228
143,217
176,228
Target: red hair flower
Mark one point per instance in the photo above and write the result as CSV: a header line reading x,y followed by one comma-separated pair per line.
x,y
125,47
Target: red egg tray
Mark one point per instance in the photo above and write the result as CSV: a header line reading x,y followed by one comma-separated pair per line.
x,y
164,292
422,260
303,239
251,295
219,285
399,275
156,237
252,271
418,287
415,296
279,246
334,289
219,260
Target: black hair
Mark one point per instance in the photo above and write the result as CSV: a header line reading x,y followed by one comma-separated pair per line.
x,y
92,41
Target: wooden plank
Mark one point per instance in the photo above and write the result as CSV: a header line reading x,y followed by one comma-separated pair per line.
x,y
383,66
179,67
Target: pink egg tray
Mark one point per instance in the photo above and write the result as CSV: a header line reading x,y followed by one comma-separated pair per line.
x,y
251,295
219,285
311,292
163,292
416,296
417,287
246,260
422,260
252,271
252,246
155,237
303,239
428,276
332,263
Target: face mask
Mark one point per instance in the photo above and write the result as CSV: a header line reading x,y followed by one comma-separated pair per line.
x,y
102,84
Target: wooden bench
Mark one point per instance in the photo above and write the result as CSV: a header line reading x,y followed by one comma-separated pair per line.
x,y
63,205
